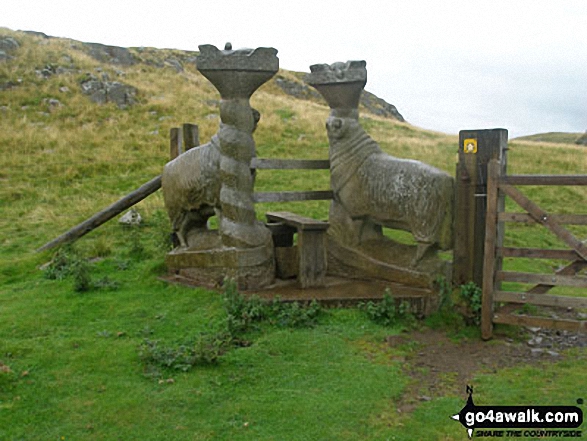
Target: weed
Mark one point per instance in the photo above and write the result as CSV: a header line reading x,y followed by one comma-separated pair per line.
x,y
106,283
471,294
60,265
80,271
136,247
445,293
242,312
68,262
294,314
204,349
388,312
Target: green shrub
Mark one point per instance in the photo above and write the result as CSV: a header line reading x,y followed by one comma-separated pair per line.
x,y
68,262
242,312
60,266
205,349
294,314
472,294
388,312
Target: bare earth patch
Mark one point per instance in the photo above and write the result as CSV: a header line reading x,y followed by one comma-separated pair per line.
x,y
440,366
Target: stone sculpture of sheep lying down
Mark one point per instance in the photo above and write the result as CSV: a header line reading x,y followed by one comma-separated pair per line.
x,y
191,186
376,188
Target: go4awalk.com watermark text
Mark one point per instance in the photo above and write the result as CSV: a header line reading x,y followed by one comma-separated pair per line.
x,y
520,421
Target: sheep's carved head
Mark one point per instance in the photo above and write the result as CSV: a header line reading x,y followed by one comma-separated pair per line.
x,y
336,127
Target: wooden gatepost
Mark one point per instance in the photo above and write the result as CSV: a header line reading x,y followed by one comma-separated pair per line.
x,y
499,185
476,149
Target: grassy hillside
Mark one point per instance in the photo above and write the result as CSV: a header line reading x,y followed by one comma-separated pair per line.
x,y
552,137
73,364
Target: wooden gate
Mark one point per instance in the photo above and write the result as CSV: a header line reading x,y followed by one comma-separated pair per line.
x,y
498,186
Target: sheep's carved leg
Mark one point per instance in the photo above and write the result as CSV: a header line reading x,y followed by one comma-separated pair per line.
x,y
190,220
370,231
422,249
342,226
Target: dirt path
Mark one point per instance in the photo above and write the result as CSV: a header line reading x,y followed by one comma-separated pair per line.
x,y
440,366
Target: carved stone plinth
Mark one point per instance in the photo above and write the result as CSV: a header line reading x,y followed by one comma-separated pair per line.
x,y
250,268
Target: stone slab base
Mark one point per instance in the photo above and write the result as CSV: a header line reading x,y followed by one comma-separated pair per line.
x,y
251,268
374,261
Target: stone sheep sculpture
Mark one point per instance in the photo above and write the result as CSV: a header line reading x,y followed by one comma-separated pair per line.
x,y
191,187
373,189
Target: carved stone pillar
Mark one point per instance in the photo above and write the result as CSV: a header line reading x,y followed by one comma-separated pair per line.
x,y
242,248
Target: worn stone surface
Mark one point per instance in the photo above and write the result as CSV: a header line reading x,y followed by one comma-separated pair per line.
x,y
371,188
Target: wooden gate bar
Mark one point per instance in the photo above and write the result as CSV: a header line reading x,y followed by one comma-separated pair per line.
x,y
541,322
568,270
566,219
545,180
544,218
491,237
539,299
290,164
292,196
537,253
551,279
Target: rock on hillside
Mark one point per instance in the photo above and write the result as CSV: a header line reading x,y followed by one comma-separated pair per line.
x,y
100,88
369,101
582,140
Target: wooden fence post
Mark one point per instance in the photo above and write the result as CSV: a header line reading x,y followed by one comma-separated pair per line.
x,y
181,140
191,136
476,149
174,143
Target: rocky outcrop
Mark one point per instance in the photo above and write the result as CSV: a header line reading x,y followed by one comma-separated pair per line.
x,y
296,89
380,107
102,91
110,54
7,45
372,103
582,140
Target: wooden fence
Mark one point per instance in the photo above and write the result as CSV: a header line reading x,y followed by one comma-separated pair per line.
x,y
498,185
291,164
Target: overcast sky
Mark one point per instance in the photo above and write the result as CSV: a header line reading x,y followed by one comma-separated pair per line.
x,y
446,65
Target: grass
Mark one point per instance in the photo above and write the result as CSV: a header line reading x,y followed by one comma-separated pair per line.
x,y
552,137
70,364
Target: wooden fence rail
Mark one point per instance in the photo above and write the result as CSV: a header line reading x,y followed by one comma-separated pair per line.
x,y
291,164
